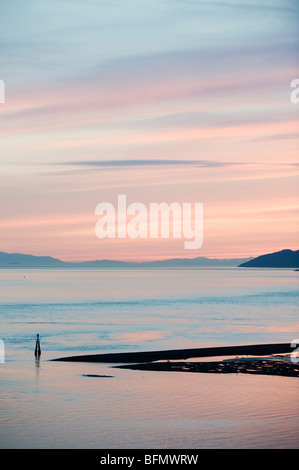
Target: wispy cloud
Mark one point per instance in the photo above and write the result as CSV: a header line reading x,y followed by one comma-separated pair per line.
x,y
171,163
148,162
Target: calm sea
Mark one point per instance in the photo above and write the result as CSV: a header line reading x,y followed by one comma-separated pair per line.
x,y
55,405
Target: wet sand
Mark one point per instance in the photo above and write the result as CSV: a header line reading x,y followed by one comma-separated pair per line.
x,y
177,354
230,366
270,365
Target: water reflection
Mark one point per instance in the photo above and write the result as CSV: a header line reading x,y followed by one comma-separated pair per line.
x,y
37,373
145,410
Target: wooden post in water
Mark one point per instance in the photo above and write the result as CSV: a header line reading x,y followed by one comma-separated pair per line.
x,y
37,351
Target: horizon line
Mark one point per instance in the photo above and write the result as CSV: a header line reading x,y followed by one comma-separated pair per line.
x,y
126,260
143,260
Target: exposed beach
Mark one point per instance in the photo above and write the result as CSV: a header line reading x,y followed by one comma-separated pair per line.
x,y
266,366
275,360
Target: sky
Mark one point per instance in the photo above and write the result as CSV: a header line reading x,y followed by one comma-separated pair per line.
x,y
185,101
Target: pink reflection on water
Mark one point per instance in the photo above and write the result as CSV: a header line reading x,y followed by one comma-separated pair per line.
x,y
137,409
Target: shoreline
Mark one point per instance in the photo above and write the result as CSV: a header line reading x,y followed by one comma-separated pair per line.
x,y
181,354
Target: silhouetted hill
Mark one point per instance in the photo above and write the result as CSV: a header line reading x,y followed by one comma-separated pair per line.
x,y
279,259
21,260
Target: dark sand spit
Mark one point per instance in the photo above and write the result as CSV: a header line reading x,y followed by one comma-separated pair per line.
x,y
251,365
173,354
231,366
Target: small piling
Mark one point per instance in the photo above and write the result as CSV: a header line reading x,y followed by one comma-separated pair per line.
x,y
37,351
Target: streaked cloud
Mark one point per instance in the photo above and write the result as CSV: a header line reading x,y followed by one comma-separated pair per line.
x,y
146,162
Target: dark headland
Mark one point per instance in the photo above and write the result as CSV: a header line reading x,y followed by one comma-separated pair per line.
x,y
279,259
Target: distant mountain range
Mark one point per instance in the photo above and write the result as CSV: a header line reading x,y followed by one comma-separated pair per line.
x,y
279,259
21,260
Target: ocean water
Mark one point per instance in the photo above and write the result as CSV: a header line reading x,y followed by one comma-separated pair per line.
x,y
48,404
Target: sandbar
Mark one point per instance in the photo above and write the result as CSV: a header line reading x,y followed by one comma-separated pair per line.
x,y
269,366
179,354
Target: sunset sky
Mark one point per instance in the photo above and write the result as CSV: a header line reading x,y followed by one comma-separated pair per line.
x,y
162,101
